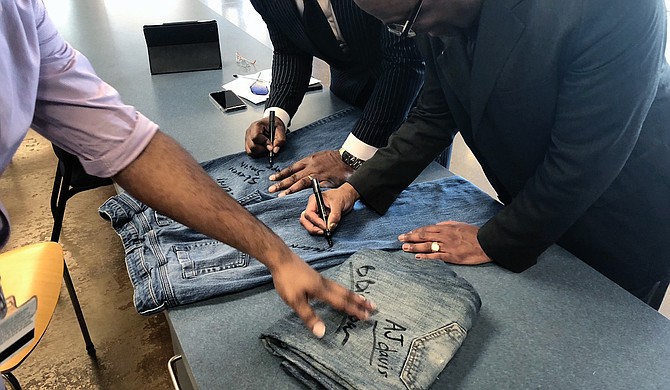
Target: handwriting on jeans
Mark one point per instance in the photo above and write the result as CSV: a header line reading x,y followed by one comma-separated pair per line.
x,y
393,340
309,248
222,183
360,286
247,172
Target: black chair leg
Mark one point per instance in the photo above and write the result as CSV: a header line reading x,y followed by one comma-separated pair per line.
x,y
13,382
90,348
59,198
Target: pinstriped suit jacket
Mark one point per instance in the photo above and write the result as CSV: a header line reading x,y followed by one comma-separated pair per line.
x,y
395,67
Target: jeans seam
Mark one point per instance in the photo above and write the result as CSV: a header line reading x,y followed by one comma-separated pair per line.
x,y
416,350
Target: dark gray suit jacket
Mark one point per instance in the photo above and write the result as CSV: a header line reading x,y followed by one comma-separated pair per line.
x,y
567,108
383,70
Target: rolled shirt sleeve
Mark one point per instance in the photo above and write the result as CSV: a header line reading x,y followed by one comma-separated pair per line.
x,y
79,112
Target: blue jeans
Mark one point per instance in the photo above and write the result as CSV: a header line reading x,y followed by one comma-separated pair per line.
x,y
170,264
424,313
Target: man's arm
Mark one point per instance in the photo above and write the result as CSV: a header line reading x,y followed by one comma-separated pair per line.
x,y
402,73
291,66
86,117
599,115
426,132
179,188
395,91
291,70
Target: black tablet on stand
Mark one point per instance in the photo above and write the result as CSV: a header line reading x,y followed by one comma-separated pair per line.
x,y
183,46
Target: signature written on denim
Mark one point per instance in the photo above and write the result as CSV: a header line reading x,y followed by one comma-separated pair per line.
x,y
222,183
387,341
391,340
309,248
360,283
247,172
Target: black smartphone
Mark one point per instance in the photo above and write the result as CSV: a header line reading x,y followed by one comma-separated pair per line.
x,y
227,101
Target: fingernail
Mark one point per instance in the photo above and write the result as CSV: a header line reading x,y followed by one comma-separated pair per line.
x,y
273,177
281,194
405,247
331,226
401,237
272,189
418,257
319,329
319,232
369,302
276,149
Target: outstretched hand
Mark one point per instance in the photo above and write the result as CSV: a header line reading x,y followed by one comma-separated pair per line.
x,y
297,283
327,166
451,241
257,138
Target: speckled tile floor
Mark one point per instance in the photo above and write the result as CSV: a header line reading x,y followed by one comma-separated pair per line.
x,y
132,351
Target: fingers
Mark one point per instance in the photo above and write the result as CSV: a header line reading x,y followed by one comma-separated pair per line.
x,y
342,299
309,218
446,257
428,233
299,185
335,214
280,137
423,247
255,140
293,179
336,296
308,316
421,236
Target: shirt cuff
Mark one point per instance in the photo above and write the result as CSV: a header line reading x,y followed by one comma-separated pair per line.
x,y
358,148
279,113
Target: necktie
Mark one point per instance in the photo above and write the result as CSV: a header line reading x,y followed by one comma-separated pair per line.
x,y
319,31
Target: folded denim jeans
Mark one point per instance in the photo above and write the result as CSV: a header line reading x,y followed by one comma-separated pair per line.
x,y
424,312
170,264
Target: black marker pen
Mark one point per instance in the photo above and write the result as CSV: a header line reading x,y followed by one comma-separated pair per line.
x,y
322,209
272,133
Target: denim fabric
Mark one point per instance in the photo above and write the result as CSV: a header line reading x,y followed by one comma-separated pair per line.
x,y
170,264
424,313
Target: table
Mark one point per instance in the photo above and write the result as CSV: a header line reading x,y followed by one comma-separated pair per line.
x,y
110,34
559,324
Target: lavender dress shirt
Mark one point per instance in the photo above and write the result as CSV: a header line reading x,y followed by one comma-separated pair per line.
x,y
48,85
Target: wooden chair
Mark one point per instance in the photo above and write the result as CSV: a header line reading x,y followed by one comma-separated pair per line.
x,y
33,270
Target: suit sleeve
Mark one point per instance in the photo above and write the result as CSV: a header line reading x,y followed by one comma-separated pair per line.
x,y
604,96
291,67
395,90
428,130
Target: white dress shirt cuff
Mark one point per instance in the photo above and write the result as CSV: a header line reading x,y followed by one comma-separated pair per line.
x,y
279,113
358,148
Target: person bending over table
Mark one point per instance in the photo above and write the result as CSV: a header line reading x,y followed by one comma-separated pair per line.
x,y
370,67
51,85
566,105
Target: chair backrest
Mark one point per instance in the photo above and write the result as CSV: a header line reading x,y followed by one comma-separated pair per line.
x,y
79,179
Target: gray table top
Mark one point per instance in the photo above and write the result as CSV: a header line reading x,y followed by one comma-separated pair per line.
x,y
110,34
558,325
